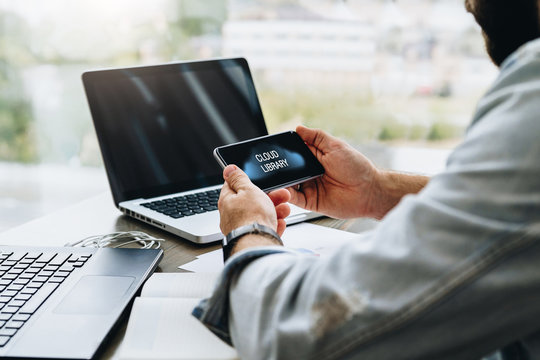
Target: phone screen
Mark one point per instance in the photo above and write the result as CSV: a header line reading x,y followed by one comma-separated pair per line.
x,y
273,161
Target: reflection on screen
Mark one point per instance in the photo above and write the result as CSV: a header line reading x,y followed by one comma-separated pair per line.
x,y
159,125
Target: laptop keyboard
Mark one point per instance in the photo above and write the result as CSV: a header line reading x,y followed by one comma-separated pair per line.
x,y
186,205
26,280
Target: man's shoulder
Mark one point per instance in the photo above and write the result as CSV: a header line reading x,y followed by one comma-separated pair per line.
x,y
513,97
505,126
525,55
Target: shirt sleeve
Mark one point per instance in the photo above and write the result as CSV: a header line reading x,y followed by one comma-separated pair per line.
x,y
450,273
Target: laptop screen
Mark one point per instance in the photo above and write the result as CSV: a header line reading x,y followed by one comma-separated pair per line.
x,y
158,125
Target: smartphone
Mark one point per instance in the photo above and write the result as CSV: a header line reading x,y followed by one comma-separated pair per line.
x,y
272,161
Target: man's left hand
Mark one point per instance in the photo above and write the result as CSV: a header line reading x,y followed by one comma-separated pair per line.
x,y
242,203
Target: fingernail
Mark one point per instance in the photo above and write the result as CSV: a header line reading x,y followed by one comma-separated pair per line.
x,y
228,170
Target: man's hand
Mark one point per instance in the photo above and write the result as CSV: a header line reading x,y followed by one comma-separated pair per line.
x,y
351,186
242,203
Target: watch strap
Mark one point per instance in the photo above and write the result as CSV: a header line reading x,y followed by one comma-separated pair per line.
x,y
230,240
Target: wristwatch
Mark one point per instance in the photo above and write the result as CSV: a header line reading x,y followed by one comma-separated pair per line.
x,y
232,238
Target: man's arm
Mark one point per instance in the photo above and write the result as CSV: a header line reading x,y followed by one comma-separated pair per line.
x,y
450,273
393,184
391,187
436,279
351,186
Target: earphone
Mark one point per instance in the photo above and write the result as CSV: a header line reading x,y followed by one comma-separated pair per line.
x,y
119,239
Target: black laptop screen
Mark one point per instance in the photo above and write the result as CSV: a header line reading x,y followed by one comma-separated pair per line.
x,y
158,125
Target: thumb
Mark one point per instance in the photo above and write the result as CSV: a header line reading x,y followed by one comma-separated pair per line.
x,y
316,138
236,178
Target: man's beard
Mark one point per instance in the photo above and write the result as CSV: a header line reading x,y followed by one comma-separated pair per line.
x,y
506,24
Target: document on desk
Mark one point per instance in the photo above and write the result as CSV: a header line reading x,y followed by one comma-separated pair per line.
x,y
161,325
321,240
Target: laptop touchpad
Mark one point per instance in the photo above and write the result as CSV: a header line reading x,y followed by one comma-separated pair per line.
x,y
95,295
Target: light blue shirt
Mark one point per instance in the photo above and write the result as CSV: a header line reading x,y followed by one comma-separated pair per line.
x,y
450,273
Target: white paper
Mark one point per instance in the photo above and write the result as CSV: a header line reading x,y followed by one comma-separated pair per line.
x,y
181,285
320,240
163,328
209,262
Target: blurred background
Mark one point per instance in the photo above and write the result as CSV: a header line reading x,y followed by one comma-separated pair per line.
x,y
399,80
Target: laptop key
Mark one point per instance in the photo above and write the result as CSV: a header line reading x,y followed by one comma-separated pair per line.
x,y
17,256
39,298
15,271
7,332
40,279
33,284
59,259
15,287
37,265
21,266
16,303
73,258
14,324
66,268
32,255
4,340
46,257
28,291
8,293
20,317
9,310
22,297
50,267
22,281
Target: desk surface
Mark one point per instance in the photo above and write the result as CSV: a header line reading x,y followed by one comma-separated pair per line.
x,y
98,215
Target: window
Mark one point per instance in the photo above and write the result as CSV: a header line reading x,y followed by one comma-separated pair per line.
x,y
398,79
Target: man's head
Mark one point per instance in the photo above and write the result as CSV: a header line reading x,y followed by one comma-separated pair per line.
x,y
506,24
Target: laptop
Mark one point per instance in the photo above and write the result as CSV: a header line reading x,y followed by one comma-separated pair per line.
x,y
157,127
63,302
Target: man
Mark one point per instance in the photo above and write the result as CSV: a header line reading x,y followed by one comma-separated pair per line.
x,y
452,272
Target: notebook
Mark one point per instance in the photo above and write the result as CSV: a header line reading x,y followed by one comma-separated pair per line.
x,y
161,325
157,127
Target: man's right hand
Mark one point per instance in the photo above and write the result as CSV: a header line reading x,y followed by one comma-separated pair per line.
x,y
351,185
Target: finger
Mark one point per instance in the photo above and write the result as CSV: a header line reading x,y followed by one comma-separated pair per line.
x,y
283,210
279,196
321,140
225,190
297,198
224,194
236,178
281,225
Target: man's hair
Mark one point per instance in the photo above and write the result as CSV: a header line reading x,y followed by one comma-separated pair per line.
x,y
506,24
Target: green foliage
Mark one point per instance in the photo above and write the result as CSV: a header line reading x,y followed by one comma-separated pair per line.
x,y
392,131
355,117
16,124
16,128
443,131
417,132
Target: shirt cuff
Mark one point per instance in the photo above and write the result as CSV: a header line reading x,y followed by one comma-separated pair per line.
x,y
214,311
